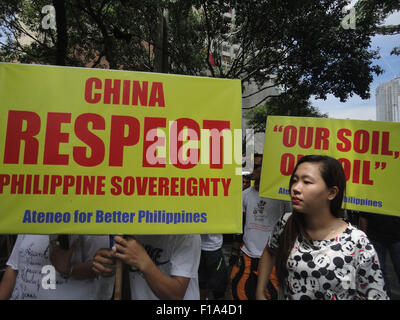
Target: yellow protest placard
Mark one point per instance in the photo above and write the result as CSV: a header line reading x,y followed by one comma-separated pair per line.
x,y
368,151
95,151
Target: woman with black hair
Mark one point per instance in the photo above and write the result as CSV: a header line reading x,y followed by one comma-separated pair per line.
x,y
317,254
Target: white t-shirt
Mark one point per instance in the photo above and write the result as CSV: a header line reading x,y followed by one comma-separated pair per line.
x,y
29,255
74,289
261,216
211,242
175,255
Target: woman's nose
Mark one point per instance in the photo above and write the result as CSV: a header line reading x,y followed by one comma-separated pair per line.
x,y
296,188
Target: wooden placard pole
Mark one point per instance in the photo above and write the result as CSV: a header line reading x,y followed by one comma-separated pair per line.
x,y
118,280
118,272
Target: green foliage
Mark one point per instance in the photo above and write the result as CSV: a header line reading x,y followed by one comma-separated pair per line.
x,y
303,47
299,45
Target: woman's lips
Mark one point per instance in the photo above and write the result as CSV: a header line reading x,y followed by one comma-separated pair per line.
x,y
296,201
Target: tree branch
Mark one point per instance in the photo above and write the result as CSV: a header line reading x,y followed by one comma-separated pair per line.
x,y
261,101
260,90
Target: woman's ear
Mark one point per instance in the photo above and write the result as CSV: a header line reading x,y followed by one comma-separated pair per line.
x,y
333,192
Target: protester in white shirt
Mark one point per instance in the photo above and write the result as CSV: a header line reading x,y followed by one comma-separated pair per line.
x,y
24,278
161,266
75,276
260,215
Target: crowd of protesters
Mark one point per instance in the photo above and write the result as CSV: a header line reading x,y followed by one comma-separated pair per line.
x,y
303,249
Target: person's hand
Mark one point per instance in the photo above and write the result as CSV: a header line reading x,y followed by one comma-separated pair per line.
x,y
131,252
102,260
234,258
61,258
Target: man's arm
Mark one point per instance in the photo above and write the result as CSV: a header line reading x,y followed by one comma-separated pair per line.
x,y
131,252
363,224
164,286
61,260
265,265
7,283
